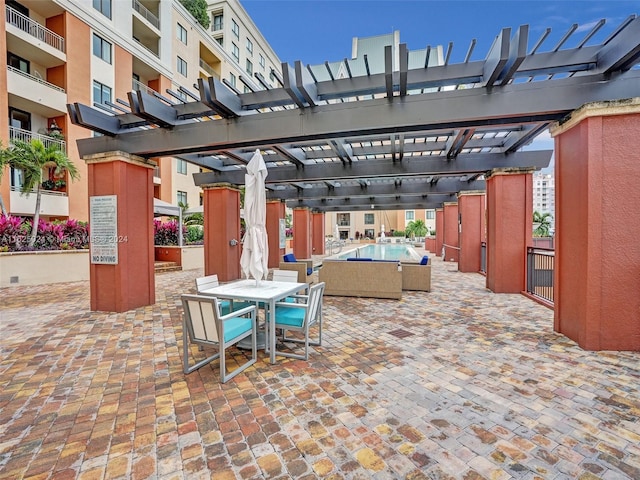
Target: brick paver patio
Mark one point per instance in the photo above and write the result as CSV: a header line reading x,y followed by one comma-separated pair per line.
x,y
457,383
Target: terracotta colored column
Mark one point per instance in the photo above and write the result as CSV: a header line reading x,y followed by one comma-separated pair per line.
x,y
302,233
450,239
471,205
439,230
317,241
222,231
121,269
509,228
597,262
275,213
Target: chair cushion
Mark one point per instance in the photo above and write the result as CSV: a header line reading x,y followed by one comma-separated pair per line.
x,y
293,317
309,271
236,326
289,257
425,260
360,259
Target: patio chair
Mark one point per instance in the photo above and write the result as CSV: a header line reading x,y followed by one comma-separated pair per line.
x,y
299,317
286,276
203,325
226,306
303,267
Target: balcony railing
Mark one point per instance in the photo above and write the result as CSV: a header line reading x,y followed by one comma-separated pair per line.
x,y
146,14
27,136
34,29
34,78
146,48
540,267
209,69
137,85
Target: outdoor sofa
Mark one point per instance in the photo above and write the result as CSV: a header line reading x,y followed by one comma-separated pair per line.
x,y
362,278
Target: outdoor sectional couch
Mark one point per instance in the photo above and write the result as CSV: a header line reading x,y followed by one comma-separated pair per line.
x,y
416,276
377,279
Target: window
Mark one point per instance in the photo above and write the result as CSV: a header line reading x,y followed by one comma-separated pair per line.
x,y
220,40
249,67
235,51
344,219
218,22
369,233
369,219
182,67
19,119
431,214
232,79
101,93
235,28
18,63
409,215
182,166
101,48
247,89
182,34
182,197
261,61
249,46
103,6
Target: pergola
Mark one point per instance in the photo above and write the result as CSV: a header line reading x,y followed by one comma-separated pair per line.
x,y
416,134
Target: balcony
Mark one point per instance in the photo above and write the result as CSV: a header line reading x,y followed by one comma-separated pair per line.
x,y
35,94
27,136
139,86
51,203
40,45
146,26
146,14
208,69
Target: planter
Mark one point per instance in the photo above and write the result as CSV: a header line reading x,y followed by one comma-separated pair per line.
x,y
37,268
188,257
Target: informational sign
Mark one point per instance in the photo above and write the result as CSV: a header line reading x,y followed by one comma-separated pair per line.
x,y
283,233
103,229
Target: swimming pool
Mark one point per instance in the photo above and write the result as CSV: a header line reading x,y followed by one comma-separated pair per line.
x,y
381,251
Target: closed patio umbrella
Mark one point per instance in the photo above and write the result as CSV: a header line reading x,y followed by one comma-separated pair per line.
x,y
255,249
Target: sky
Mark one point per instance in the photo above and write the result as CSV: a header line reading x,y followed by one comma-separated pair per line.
x,y
315,31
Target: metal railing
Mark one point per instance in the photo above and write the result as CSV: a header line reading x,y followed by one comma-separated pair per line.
x,y
540,267
146,48
27,136
34,29
53,193
146,14
34,78
137,85
333,247
209,69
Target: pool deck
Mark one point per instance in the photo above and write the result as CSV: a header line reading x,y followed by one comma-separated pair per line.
x,y
458,383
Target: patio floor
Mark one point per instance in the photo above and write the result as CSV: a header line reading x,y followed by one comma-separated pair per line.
x,y
457,383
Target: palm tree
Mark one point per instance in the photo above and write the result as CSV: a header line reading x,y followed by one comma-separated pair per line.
x,y
4,161
417,228
542,222
32,157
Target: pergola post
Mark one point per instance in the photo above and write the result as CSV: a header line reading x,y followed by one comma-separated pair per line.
x,y
302,232
509,228
317,242
222,248
597,279
471,206
275,213
450,224
121,269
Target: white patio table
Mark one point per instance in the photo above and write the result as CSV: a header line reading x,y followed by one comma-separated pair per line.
x,y
268,292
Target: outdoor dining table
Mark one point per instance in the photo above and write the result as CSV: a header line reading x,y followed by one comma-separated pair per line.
x,y
267,292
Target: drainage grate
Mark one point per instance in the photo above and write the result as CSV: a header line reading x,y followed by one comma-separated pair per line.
x,y
400,333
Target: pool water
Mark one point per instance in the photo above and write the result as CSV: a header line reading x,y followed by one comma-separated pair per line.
x,y
381,252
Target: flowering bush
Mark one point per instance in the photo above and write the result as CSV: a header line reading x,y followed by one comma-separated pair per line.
x,y
56,235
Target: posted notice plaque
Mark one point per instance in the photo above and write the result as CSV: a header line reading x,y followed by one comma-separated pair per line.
x,y
103,229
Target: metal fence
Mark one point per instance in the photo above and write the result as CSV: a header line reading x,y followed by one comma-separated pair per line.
x,y
34,29
540,266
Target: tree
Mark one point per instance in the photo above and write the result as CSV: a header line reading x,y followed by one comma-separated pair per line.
x,y
198,8
417,228
543,222
32,157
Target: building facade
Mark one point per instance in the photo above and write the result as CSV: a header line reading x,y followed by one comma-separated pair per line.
x,y
544,195
95,52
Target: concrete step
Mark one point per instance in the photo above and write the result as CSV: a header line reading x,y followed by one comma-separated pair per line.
x,y
161,267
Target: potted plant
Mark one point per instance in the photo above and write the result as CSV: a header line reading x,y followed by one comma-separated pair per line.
x,y
49,185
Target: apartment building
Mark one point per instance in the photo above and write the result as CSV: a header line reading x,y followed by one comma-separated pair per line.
x,y
544,195
95,52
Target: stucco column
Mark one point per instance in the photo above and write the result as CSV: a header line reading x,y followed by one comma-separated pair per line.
x,y
509,228
275,213
121,268
450,238
597,261
302,232
471,206
439,230
317,241
222,248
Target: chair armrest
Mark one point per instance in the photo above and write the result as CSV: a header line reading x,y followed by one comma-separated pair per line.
x,y
238,313
291,305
